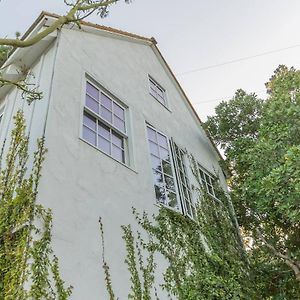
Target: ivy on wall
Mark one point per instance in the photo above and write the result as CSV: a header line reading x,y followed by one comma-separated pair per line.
x,y
206,259
28,267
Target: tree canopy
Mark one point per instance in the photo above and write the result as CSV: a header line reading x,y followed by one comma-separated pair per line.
x,y
261,141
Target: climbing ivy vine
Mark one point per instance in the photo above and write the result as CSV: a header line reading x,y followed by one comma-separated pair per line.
x,y
28,267
206,258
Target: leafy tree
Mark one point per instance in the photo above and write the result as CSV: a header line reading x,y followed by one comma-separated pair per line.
x,y
261,140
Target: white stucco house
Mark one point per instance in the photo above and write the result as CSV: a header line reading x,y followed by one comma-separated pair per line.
x,y
117,126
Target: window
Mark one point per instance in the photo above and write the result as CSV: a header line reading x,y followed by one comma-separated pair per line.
x,y
162,168
207,181
104,123
1,113
157,92
183,181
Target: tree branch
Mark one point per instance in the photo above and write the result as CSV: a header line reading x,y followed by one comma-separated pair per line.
x,y
96,5
293,264
68,18
31,93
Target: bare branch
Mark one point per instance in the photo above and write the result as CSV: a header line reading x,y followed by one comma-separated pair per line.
x,y
96,5
29,90
70,17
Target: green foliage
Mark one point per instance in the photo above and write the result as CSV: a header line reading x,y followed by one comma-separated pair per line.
x,y
141,270
3,53
265,177
107,278
28,268
205,257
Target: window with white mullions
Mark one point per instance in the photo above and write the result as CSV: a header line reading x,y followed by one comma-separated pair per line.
x,y
183,181
162,169
104,123
101,104
157,91
207,181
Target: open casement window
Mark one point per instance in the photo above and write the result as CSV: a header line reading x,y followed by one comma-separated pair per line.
x,y
207,181
157,92
185,191
104,123
162,169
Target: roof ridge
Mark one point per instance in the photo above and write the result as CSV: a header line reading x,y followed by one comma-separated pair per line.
x,y
103,27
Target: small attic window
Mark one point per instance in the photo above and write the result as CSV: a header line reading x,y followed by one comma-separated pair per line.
x,y
157,91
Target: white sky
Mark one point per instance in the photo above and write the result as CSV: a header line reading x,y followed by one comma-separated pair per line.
x,y
194,34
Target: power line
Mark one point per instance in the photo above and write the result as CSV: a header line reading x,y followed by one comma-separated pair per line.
x,y
222,98
237,60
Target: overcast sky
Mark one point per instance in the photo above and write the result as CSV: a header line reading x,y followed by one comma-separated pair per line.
x,y
196,34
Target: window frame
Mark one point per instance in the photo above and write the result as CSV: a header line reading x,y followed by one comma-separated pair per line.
x,y
155,94
203,180
100,120
2,108
181,185
178,207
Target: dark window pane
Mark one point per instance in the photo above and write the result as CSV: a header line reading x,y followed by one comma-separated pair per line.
x,y
172,199
106,101
160,92
106,114
210,189
153,148
120,124
185,192
158,178
160,194
153,93
104,144
151,134
181,176
152,85
164,153
89,135
207,178
117,140
188,208
162,140
104,131
91,90
169,183
119,111
155,163
117,153
167,168
89,121
92,104
202,174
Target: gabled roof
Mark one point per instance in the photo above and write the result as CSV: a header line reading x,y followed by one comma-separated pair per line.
x,y
89,24
151,41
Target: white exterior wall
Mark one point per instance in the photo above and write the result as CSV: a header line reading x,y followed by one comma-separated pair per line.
x,y
36,113
79,182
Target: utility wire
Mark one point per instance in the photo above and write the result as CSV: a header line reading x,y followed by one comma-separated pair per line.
x,y
237,60
223,98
